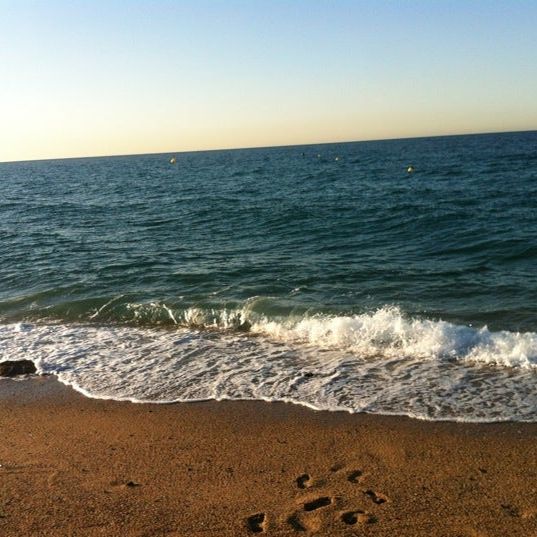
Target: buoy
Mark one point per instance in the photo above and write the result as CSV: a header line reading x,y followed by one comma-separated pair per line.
x,y
173,160
410,169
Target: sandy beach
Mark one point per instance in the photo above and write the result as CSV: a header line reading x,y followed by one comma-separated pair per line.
x,y
77,466
268,268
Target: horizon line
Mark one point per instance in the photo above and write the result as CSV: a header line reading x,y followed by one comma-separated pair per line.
x,y
266,146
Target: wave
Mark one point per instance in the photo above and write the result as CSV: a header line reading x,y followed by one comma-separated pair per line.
x,y
386,332
390,334
381,362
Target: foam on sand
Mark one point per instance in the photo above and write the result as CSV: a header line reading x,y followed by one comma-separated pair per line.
x,y
381,362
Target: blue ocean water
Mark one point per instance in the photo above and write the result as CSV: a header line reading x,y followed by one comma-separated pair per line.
x,y
326,275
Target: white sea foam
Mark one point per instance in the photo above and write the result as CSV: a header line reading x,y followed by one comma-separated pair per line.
x,y
381,362
388,333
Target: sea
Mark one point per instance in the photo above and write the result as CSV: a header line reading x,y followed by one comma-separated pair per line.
x,y
390,277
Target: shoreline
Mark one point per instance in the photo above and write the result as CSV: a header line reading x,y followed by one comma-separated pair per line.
x,y
54,387
72,465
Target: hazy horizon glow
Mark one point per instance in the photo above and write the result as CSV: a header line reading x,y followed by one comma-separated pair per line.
x,y
102,78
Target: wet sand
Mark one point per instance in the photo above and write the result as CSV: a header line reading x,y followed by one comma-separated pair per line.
x,y
77,466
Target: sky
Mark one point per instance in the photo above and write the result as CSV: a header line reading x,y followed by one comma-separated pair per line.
x,y
85,78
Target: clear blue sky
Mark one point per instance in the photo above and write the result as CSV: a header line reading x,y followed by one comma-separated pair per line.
x,y
117,77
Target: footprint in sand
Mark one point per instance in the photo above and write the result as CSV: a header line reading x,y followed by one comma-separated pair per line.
x,y
119,485
376,497
354,477
303,481
256,523
302,520
315,512
317,504
357,517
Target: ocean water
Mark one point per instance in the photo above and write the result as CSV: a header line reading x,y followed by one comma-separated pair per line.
x,y
323,275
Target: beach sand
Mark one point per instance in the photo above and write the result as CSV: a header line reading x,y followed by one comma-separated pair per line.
x,y
77,466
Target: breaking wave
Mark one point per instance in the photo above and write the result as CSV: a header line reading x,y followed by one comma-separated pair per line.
x,y
381,362
386,332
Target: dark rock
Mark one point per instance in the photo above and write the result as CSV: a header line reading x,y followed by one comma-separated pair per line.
x,y
12,368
